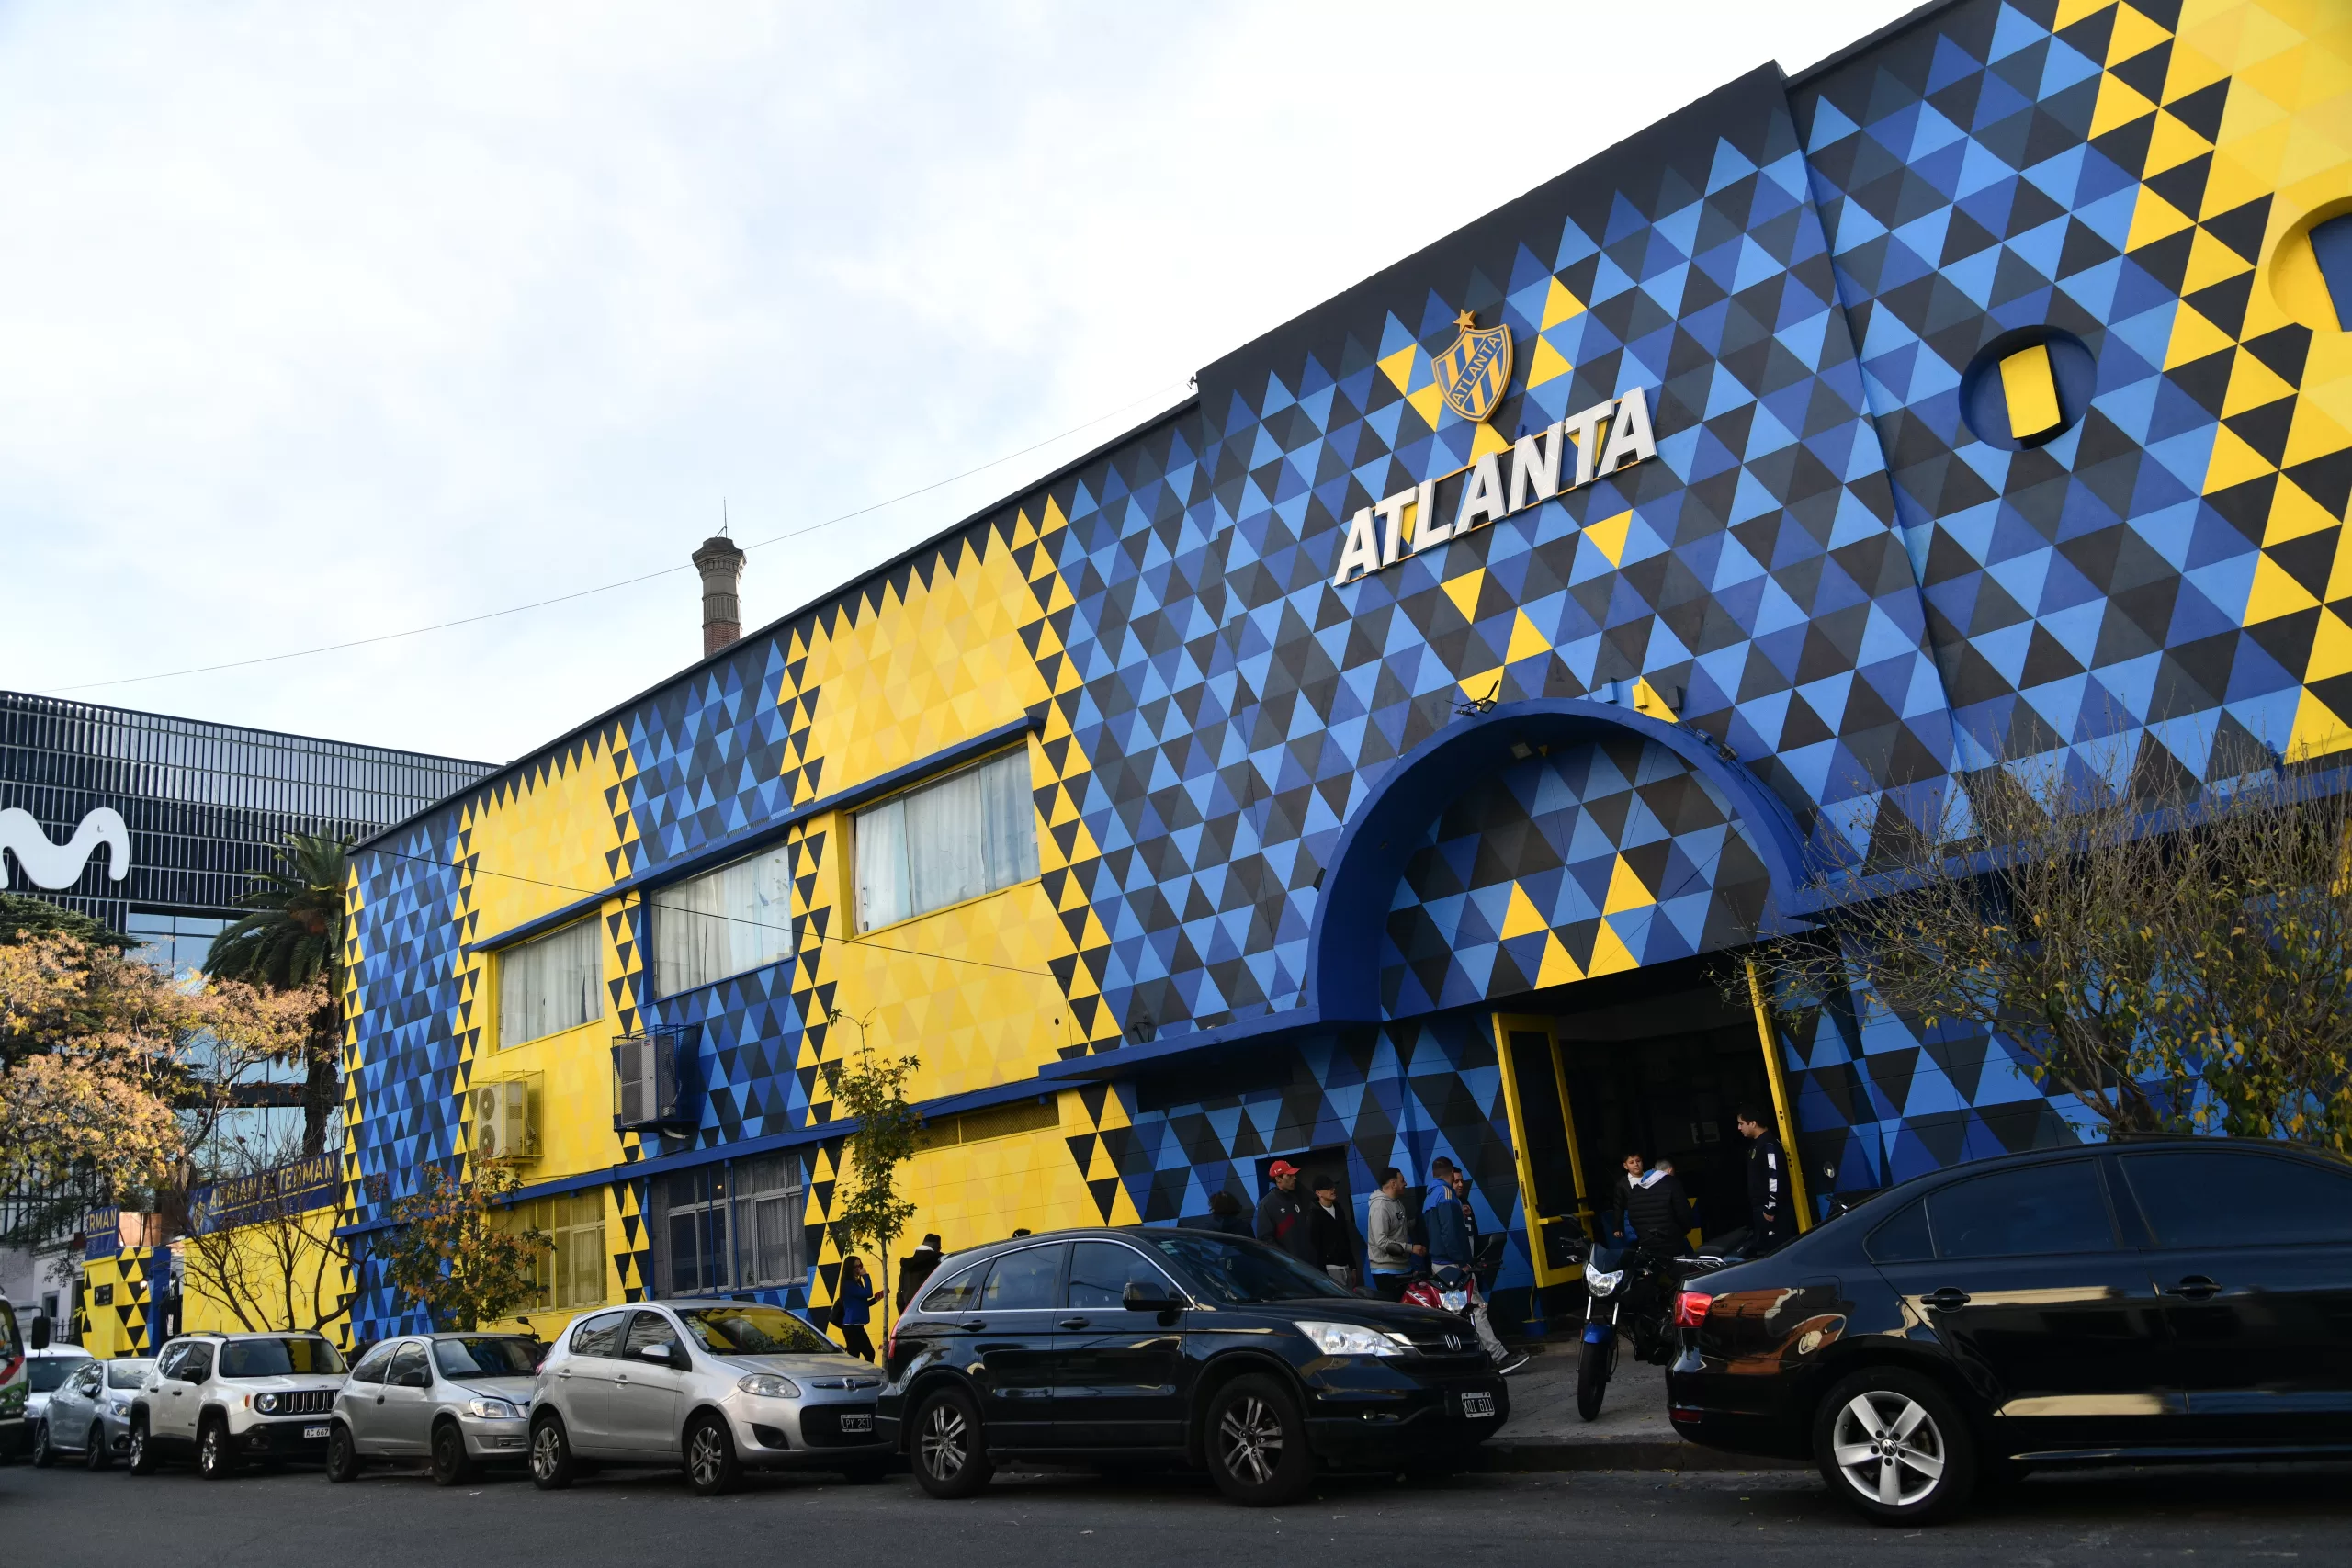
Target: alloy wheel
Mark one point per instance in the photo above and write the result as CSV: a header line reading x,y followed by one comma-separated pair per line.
x,y
1249,1438
1888,1447
945,1441
547,1452
704,1458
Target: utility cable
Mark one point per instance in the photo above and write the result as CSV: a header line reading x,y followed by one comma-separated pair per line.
x,y
1152,396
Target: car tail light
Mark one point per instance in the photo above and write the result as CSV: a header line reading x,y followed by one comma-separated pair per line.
x,y
1690,1308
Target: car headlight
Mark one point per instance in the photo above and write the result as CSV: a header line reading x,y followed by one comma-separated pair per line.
x,y
118,1407
265,1402
491,1409
767,1385
1601,1284
1352,1339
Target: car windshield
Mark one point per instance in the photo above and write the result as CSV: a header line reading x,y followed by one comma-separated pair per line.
x,y
1231,1270
127,1374
49,1373
493,1356
278,1357
754,1331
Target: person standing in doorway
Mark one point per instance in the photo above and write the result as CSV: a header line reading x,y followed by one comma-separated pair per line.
x,y
1769,1210
854,1308
1282,1218
915,1271
1390,1249
1334,1237
1620,1227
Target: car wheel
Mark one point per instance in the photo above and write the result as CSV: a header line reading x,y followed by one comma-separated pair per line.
x,y
216,1457
551,1462
452,1466
1894,1445
712,1467
94,1448
1593,1366
951,1452
1257,1443
43,1455
143,1449
343,1454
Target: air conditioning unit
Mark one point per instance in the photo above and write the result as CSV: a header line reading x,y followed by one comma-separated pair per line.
x,y
502,1127
646,1087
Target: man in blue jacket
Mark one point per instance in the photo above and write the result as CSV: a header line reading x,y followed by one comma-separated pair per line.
x,y
1454,1243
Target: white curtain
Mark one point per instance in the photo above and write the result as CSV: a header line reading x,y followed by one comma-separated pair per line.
x,y
970,833
722,923
551,983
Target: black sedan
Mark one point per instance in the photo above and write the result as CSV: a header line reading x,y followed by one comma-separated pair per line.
x,y
1143,1346
2161,1298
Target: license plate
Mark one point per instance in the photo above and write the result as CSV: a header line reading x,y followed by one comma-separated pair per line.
x,y
1477,1405
314,1431
857,1423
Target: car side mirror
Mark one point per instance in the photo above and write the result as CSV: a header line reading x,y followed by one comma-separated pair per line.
x,y
419,1378
39,1335
1141,1297
665,1355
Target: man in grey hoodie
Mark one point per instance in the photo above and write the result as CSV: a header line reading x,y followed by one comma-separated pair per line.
x,y
1389,1246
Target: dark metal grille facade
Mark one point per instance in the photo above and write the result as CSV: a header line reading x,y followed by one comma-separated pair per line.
x,y
207,805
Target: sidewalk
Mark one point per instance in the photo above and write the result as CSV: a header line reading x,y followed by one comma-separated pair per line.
x,y
1544,1432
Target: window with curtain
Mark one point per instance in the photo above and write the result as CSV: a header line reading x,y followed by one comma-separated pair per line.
x,y
692,1229
550,984
723,922
571,1270
771,1198
970,833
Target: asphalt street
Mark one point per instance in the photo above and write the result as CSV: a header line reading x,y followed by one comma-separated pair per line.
x,y
65,1518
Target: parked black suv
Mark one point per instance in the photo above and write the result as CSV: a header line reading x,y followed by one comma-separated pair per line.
x,y
2163,1298
1128,1346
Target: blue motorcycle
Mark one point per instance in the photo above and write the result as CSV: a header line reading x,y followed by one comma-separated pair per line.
x,y
1630,1288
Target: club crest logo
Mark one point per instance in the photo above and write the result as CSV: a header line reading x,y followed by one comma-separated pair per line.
x,y
1474,372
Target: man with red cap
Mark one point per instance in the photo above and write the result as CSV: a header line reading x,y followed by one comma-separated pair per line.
x,y
1282,1218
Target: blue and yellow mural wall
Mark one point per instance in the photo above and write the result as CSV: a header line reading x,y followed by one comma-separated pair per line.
x,y
2001,407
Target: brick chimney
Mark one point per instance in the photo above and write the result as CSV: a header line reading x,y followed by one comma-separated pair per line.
x,y
721,565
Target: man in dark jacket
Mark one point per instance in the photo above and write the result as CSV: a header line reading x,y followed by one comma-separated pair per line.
x,y
1334,1236
915,1271
1224,1216
1657,1210
1770,1210
1282,1218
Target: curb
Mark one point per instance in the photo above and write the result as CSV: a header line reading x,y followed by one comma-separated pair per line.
x,y
1671,1454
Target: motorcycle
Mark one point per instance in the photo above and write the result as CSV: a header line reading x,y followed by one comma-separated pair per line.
x,y
1630,1288
1455,1291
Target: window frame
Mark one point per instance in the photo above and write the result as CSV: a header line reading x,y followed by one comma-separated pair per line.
x,y
508,1039
1070,1273
857,816
661,916
2089,1162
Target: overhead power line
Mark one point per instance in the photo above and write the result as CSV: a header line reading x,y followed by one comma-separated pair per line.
x,y
1155,395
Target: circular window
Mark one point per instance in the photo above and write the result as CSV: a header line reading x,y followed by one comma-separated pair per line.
x,y
2026,388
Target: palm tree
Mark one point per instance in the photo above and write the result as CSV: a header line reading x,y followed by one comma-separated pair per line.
x,y
294,937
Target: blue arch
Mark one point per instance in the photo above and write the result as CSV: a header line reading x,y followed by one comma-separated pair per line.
x,y
1343,947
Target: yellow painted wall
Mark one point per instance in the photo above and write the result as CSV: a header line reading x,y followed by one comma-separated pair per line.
x,y
321,1295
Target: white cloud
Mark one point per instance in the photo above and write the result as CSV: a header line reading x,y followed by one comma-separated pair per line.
x,y
318,324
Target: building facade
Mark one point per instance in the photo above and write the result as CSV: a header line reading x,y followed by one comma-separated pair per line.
x,y
155,827
1385,754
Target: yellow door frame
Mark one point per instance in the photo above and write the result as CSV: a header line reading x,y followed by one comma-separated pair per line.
x,y
1504,1024
1769,1040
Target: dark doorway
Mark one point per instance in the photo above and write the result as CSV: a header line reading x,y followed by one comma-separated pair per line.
x,y
1658,1069
1317,1165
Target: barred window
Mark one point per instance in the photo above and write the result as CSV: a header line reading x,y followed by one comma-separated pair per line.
x,y
724,1227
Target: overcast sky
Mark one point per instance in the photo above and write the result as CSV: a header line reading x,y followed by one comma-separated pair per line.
x,y
318,324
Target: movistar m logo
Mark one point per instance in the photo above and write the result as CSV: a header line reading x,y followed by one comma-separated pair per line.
x,y
59,865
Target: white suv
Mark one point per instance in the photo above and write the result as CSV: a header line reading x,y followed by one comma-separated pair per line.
x,y
225,1398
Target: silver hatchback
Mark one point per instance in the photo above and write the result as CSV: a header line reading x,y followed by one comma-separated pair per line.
x,y
716,1387
453,1401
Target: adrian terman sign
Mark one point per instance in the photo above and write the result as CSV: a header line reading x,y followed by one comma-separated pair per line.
x,y
1472,375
